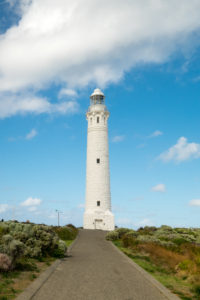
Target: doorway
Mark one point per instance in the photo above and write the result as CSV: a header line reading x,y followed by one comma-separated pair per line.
x,y
98,224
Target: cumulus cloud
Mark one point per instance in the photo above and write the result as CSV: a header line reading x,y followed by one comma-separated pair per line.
x,y
12,104
31,202
31,134
181,151
194,202
118,138
3,208
156,133
81,42
32,208
159,188
67,93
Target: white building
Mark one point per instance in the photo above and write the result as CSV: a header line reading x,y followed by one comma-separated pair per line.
x,y
98,213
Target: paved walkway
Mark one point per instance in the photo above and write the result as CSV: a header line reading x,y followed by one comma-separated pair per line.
x,y
97,271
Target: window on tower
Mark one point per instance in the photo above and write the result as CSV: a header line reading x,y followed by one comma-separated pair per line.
x,y
98,203
90,120
97,119
98,160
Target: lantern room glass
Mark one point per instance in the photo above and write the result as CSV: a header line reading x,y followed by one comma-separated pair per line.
x,y
97,99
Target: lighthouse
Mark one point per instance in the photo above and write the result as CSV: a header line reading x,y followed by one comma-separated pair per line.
x,y
98,213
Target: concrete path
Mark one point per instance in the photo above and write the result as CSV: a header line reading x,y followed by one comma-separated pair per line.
x,y
97,271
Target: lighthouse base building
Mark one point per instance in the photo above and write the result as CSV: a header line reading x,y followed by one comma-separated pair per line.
x,y
98,213
99,220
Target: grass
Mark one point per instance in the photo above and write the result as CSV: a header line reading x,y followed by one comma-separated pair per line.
x,y
181,283
69,242
14,282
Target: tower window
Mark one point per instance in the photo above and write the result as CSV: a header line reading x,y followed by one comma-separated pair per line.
x,y
90,120
97,119
98,203
98,160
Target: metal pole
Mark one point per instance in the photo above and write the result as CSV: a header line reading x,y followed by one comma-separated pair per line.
x,y
58,212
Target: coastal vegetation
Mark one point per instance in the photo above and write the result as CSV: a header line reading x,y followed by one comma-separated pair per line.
x,y
26,249
171,255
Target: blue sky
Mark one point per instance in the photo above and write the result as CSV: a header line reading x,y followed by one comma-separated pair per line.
x,y
49,65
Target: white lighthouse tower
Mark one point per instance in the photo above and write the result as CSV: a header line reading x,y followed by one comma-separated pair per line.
x,y
98,213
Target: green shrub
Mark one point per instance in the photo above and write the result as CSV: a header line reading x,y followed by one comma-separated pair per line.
x,y
129,241
61,249
147,230
72,226
112,235
3,229
185,264
66,232
122,231
148,239
35,241
197,290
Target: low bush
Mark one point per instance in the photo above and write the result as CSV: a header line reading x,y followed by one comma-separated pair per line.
x,y
112,235
68,232
129,241
122,231
197,290
61,249
33,241
186,265
5,263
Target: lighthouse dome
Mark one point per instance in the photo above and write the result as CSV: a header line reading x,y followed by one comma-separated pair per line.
x,y
97,97
97,92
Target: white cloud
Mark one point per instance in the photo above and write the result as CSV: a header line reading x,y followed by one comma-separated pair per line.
x,y
159,188
3,208
181,151
68,42
194,202
31,134
156,133
145,222
32,208
12,104
67,92
127,222
31,202
118,138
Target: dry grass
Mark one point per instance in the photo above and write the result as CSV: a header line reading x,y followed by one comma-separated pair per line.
x,y
177,266
160,255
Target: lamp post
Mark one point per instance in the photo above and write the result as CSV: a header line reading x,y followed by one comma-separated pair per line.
x,y
58,212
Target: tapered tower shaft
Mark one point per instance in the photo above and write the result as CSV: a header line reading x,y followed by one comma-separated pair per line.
x,y
98,213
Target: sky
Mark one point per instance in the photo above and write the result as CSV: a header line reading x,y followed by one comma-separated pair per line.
x,y
145,56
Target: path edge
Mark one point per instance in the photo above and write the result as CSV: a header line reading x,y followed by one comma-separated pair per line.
x,y
35,286
167,293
